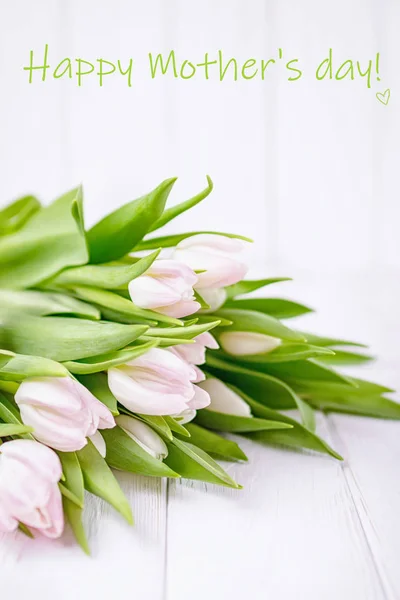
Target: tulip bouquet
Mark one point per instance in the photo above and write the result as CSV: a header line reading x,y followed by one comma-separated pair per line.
x,y
121,349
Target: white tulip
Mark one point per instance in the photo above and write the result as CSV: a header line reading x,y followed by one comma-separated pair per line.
x,y
166,287
214,257
195,353
143,435
224,399
157,383
62,412
214,297
244,343
29,492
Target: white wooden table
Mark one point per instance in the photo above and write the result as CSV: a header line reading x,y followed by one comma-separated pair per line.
x,y
304,527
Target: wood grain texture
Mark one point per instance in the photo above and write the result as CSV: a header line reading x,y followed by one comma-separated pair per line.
x,y
305,526
293,532
124,560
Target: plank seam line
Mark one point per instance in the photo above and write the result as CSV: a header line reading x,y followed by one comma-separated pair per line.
x,y
165,573
348,476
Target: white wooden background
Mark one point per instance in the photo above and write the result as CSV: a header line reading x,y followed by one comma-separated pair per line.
x,y
309,170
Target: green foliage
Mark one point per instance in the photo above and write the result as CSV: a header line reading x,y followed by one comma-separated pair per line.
x,y
63,338
99,480
120,231
52,239
16,214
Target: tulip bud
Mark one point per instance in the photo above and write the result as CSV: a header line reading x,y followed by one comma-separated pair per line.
x,y
244,343
166,287
195,353
29,493
224,399
214,297
214,257
62,412
185,416
143,435
157,383
99,443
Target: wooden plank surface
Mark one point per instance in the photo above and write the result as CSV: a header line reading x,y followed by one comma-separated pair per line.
x,y
305,526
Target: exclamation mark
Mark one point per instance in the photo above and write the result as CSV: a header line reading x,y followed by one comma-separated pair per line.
x,y
377,66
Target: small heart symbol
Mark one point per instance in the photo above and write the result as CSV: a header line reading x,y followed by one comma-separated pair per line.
x,y
384,98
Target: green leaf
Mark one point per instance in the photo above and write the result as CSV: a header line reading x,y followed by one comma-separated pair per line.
x,y
51,240
69,495
167,241
125,454
245,287
165,342
317,340
7,429
108,276
97,383
175,211
201,301
264,388
275,307
193,463
236,424
177,427
99,480
74,484
288,352
116,234
309,370
9,413
46,303
119,305
5,357
159,424
249,320
210,318
16,214
95,364
184,333
361,400
214,444
298,437
73,478
22,366
63,338
10,387
344,358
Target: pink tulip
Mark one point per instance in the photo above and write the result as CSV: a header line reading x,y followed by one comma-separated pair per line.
x,y
62,412
216,255
195,353
29,494
166,287
157,383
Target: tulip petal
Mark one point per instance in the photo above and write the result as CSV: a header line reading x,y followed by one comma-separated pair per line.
x,y
201,398
138,398
223,399
149,292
